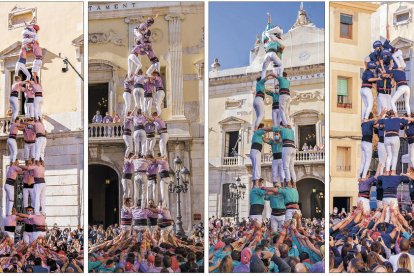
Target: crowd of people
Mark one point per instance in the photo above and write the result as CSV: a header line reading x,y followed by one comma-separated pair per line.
x,y
118,250
378,237
251,246
58,251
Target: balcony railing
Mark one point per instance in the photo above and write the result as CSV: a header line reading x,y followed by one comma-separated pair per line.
x,y
4,126
230,161
101,131
400,104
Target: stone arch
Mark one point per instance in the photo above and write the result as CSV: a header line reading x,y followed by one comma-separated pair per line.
x,y
311,196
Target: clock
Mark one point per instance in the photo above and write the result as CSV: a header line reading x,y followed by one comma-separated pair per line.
x,y
304,55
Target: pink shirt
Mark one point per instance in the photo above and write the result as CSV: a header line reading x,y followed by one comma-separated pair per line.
x,y
37,219
10,220
39,171
141,164
39,128
164,214
37,87
152,169
29,133
163,165
18,86
28,175
138,213
152,214
30,92
159,124
13,171
126,213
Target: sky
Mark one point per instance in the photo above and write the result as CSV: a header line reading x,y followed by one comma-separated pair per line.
x,y
233,26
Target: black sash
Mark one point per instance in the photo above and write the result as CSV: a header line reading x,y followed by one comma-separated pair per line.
x,y
152,221
27,186
39,180
164,174
10,181
138,127
28,228
256,209
139,222
139,85
152,177
40,135
367,138
277,155
127,176
9,228
126,221
257,146
14,94
39,228
163,223
278,212
38,94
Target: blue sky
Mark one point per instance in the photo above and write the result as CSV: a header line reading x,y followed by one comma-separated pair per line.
x,y
233,26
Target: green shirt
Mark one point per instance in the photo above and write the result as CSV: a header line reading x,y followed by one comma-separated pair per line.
x,y
260,87
258,136
275,96
276,146
291,195
285,133
257,196
277,201
283,83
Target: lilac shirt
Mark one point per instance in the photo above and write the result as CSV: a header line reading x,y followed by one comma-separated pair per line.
x,y
138,213
128,85
39,171
163,165
128,123
128,167
148,87
150,128
159,124
10,220
126,213
141,164
139,120
152,169
139,79
39,128
158,83
37,219
28,175
14,129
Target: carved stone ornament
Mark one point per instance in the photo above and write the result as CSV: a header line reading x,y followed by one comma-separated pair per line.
x,y
234,104
19,16
307,97
108,37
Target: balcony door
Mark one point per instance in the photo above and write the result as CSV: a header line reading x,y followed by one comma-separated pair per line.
x,y
98,99
307,134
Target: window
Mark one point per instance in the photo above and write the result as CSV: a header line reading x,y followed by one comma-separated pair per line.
x,y
343,96
346,26
228,203
307,134
22,97
343,159
342,203
231,146
400,18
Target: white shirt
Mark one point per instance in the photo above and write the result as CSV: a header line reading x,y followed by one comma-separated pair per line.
x,y
394,260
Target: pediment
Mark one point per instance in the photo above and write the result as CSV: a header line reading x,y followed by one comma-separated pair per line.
x,y
232,120
11,51
401,42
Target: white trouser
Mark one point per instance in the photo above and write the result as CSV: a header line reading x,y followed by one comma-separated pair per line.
x,y
25,105
367,102
155,65
40,146
152,185
38,104
40,197
14,105
392,204
139,97
36,235
159,100
277,171
399,59
163,143
405,91
140,139
127,187
258,218
383,101
140,189
26,193
128,102
22,67
129,144
29,150
290,213
284,106
164,191
12,145
269,57
37,65
134,64
30,110
147,105
10,235
27,237
9,189
276,223
382,156
288,160
366,156
411,154
276,117
125,227
256,157
150,145
392,146
365,204
278,70
258,105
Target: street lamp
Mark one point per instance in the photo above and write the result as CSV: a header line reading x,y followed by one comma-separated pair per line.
x,y
183,174
237,191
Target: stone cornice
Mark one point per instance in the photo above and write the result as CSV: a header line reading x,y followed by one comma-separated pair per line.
x,y
181,8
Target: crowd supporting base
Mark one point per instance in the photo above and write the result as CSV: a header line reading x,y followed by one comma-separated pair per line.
x,y
116,249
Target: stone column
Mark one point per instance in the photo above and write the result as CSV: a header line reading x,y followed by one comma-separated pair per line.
x,y
176,65
200,75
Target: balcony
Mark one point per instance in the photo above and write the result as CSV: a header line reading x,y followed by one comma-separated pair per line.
x,y
105,132
400,104
5,126
231,161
